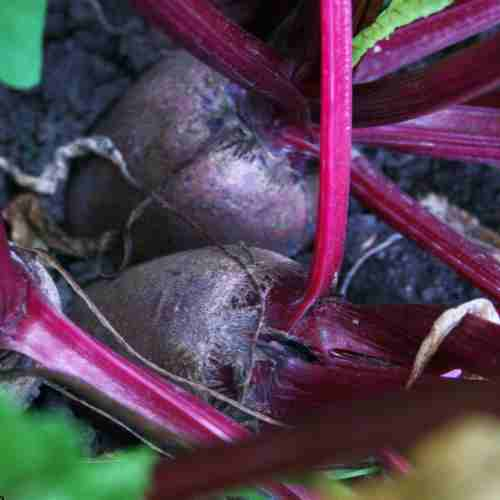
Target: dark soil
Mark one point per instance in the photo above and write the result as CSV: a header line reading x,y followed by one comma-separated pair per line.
x,y
87,68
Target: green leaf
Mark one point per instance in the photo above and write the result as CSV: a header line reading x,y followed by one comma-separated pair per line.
x,y
41,459
398,13
21,31
342,474
245,494
327,481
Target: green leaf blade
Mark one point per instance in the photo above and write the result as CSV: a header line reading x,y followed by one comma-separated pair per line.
x,y
21,37
399,13
244,494
42,459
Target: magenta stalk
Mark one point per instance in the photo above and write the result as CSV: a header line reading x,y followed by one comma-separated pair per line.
x,y
73,357
462,76
335,153
394,332
297,387
254,65
222,44
462,132
339,433
409,218
13,283
466,133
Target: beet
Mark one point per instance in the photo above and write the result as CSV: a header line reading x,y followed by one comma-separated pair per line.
x,y
180,134
192,313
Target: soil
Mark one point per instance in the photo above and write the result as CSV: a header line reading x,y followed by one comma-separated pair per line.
x,y
87,68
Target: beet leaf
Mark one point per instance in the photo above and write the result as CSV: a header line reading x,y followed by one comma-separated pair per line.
x,y
398,13
42,458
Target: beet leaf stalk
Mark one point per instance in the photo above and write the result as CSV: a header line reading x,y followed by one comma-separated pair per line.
x,y
335,153
466,133
13,283
297,387
457,78
408,217
411,219
154,408
222,44
462,132
394,332
336,434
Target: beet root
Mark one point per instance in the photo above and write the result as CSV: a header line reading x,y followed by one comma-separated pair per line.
x,y
180,133
192,313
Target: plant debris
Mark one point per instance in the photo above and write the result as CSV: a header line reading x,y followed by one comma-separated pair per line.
x,y
32,227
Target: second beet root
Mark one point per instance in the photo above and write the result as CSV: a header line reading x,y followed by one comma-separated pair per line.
x,y
180,133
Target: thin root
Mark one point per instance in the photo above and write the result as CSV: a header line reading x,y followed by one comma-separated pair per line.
x,y
134,216
110,417
127,247
370,253
244,266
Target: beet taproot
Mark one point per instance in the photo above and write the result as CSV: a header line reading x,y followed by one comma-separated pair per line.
x,y
180,132
193,313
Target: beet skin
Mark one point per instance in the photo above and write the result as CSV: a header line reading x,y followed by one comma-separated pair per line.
x,y
180,132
